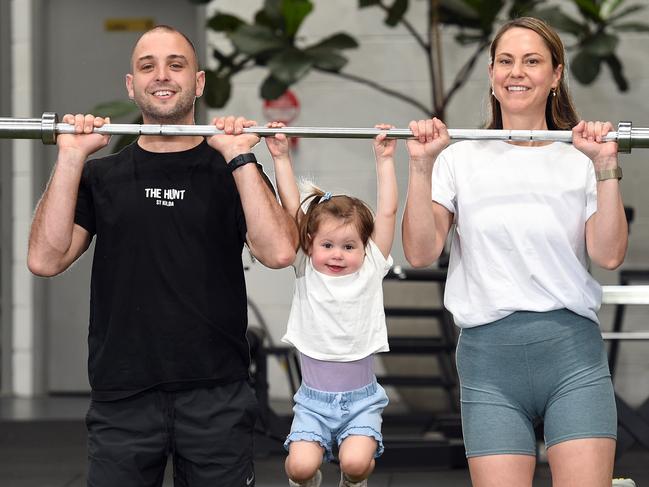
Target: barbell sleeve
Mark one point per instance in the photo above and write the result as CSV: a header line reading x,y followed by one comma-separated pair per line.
x,y
47,128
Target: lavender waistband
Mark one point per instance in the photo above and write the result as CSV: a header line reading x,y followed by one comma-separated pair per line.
x,y
329,376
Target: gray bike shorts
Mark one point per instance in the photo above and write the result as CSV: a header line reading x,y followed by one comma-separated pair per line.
x,y
528,368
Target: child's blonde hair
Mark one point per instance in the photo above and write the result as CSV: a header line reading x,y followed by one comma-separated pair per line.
x,y
347,208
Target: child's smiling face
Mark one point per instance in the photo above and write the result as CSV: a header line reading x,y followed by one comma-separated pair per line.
x,y
337,248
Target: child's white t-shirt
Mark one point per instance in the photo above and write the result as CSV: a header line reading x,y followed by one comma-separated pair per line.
x,y
339,318
519,241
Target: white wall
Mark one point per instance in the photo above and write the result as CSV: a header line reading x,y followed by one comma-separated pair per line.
x,y
86,65
391,57
6,180
26,356
63,60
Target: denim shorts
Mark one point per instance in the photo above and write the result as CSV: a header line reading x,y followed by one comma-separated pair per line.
x,y
322,416
529,368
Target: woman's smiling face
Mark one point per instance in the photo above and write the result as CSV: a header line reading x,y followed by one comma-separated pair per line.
x,y
521,73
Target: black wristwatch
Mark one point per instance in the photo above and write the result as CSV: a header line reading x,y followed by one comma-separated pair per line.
x,y
241,160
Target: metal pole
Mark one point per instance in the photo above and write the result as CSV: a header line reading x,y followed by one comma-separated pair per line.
x,y
47,128
625,335
625,294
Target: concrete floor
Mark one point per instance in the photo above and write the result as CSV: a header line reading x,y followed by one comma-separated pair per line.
x,y
43,444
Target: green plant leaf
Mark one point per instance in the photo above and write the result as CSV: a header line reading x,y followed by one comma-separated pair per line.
x,y
585,67
600,44
460,9
396,12
521,8
589,9
290,65
125,140
272,88
294,13
472,14
607,7
561,21
488,12
222,58
220,22
337,41
614,64
327,59
273,11
261,18
255,39
465,38
461,14
631,27
217,89
114,109
626,11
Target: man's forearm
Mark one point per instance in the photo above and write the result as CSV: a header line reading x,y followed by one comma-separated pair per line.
x,y
53,223
272,233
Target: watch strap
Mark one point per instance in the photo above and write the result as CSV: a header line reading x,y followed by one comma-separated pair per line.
x,y
605,174
241,160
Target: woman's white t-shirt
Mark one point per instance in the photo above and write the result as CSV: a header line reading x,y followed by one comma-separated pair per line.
x,y
519,240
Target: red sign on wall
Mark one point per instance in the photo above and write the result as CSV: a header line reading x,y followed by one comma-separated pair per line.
x,y
284,109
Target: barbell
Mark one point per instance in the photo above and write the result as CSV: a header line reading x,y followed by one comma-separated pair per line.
x,y
48,127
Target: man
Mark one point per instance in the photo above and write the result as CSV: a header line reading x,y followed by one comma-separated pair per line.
x,y
168,358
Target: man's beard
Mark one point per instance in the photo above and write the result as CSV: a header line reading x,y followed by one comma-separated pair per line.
x,y
167,114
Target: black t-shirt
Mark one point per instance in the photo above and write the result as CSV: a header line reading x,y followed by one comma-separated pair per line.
x,y
168,297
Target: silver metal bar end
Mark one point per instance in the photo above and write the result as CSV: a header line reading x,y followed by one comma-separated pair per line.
x,y
48,128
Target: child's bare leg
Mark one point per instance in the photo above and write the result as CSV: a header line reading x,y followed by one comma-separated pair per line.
x,y
303,460
356,456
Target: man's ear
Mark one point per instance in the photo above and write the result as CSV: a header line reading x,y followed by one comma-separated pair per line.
x,y
200,83
128,79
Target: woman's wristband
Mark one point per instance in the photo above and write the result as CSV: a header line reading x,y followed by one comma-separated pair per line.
x,y
605,174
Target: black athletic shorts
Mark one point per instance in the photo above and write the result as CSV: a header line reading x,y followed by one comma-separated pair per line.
x,y
208,432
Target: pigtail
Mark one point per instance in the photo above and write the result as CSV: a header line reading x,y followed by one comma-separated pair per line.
x,y
308,204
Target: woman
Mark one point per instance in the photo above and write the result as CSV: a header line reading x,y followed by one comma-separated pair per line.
x,y
528,216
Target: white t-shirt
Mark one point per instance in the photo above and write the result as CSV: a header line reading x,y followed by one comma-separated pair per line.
x,y
519,241
339,318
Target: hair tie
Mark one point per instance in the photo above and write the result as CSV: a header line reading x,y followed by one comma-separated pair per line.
x,y
325,197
